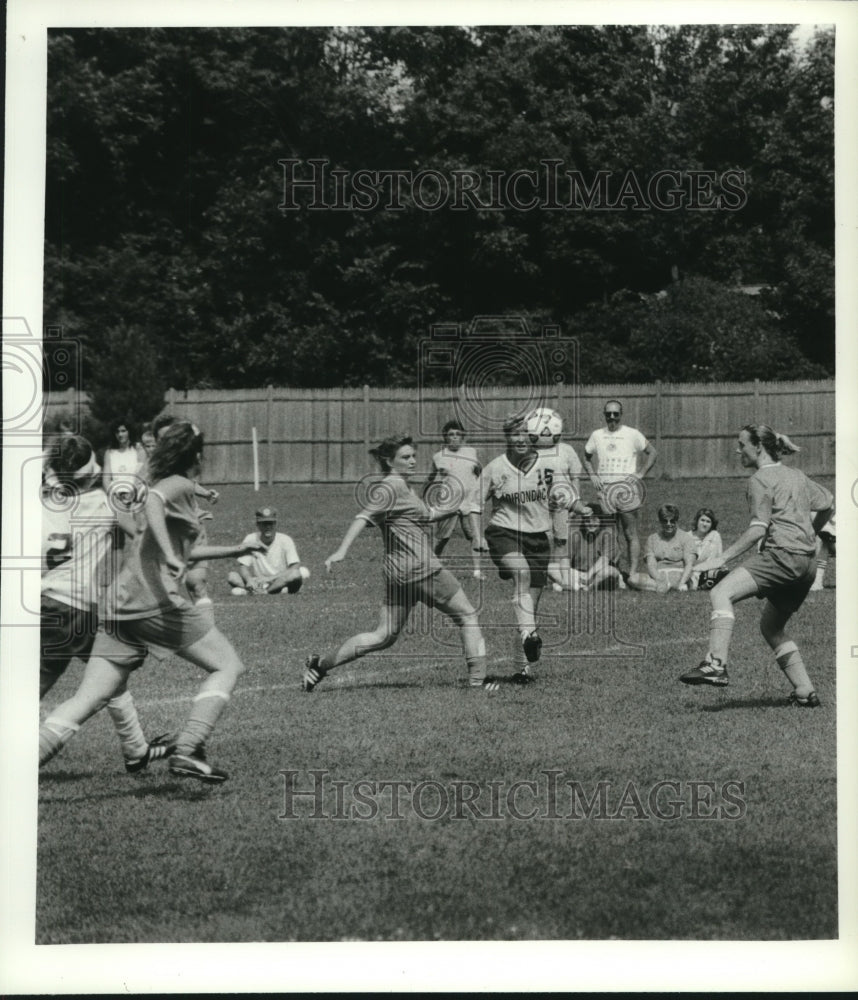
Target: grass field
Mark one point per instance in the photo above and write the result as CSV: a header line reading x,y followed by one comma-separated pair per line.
x,y
747,849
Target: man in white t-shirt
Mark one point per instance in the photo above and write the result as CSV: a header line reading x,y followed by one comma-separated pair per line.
x,y
271,569
617,475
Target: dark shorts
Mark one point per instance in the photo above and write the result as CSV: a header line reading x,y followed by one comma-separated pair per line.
x,y
127,641
65,632
783,577
438,587
533,545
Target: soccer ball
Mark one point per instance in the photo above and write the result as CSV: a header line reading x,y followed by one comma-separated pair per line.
x,y
544,427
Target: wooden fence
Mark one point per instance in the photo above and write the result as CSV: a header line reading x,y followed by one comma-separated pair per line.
x,y
323,435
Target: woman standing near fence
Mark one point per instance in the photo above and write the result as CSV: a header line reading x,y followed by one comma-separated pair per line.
x,y
124,464
154,609
787,509
412,571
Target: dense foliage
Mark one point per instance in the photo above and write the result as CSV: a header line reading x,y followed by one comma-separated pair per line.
x,y
169,213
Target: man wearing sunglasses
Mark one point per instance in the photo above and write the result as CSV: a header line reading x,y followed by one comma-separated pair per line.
x,y
616,474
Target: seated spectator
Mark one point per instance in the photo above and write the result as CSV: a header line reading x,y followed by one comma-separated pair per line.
x,y
707,541
593,553
670,554
272,568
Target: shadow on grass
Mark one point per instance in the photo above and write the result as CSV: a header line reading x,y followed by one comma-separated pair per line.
x,y
49,777
768,702
371,686
169,788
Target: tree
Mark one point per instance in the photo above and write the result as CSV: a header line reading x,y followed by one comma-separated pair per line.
x,y
127,383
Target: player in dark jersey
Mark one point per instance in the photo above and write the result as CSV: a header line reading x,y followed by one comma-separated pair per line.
x,y
787,510
412,571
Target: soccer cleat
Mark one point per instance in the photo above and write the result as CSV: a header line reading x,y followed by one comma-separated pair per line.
x,y
239,591
157,749
532,646
709,672
313,673
522,677
487,684
811,701
194,765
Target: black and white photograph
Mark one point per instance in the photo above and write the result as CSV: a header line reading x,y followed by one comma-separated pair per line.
x,y
426,431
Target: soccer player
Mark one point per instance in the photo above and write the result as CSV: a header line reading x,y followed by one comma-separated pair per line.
x,y
593,553
787,510
81,536
616,476
562,470
272,568
457,462
196,578
518,533
154,609
670,555
412,571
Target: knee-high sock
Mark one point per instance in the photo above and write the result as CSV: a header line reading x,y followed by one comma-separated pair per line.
x,y
790,661
525,613
475,654
720,632
126,722
208,706
54,733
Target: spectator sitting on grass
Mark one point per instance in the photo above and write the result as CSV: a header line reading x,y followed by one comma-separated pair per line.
x,y
707,540
271,569
670,555
593,552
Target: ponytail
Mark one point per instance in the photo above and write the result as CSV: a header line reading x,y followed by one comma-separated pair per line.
x,y
772,442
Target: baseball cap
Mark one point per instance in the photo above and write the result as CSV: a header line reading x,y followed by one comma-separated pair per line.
x,y
266,514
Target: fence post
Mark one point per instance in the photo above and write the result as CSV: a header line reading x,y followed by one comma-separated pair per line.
x,y
366,417
268,422
756,399
658,416
171,399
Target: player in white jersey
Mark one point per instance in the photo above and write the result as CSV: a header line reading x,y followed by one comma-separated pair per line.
x,y
518,533
788,511
457,465
616,475
81,537
562,470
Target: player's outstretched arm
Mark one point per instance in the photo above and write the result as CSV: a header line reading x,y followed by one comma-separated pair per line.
x,y
199,552
354,529
752,534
